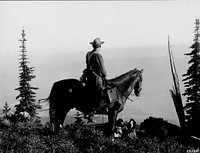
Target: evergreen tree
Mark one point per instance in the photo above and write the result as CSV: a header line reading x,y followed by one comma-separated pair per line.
x,y
192,84
6,111
26,95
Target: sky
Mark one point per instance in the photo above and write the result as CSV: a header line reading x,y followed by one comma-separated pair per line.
x,y
70,26
57,27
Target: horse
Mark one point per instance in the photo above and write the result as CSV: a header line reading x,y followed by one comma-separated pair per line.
x,y
70,93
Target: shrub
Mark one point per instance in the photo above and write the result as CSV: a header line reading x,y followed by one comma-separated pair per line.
x,y
33,137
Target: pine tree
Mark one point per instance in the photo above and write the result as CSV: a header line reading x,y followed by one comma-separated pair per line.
x,y
6,111
192,84
26,95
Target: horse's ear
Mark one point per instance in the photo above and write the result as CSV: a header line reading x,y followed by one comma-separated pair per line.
x,y
142,70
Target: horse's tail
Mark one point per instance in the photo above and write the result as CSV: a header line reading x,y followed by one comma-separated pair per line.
x,y
49,100
51,110
52,115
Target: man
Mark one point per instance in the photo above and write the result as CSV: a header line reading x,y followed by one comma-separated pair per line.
x,y
95,74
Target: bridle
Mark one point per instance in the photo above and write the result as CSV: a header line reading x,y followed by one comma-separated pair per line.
x,y
139,82
127,97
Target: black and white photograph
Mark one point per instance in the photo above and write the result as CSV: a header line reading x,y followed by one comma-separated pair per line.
x,y
100,76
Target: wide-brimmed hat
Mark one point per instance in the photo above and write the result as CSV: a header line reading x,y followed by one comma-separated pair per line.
x,y
97,42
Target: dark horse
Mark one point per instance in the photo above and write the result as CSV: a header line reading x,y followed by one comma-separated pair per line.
x,y
69,93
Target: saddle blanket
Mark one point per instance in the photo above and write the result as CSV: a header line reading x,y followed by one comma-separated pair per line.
x,y
112,94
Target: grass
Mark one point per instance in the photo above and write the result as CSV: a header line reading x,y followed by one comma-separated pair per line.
x,y
37,138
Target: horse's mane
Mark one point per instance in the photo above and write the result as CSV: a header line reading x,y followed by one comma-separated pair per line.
x,y
123,76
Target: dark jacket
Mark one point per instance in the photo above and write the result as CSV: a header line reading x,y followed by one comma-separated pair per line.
x,y
96,72
94,61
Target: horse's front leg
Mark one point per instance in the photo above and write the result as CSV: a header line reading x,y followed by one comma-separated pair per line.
x,y
112,116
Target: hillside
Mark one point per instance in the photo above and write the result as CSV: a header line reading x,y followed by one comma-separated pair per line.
x,y
155,99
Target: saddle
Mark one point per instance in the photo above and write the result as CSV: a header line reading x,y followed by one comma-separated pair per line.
x,y
109,88
112,95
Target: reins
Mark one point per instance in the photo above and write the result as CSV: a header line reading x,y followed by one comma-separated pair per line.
x,y
127,97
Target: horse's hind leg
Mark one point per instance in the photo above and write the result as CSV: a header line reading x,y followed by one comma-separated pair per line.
x,y
57,116
53,119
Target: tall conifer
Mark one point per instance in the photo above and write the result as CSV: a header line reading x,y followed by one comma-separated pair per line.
x,y
192,84
26,95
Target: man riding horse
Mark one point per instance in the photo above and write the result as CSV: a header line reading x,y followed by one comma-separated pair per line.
x,y
98,96
94,76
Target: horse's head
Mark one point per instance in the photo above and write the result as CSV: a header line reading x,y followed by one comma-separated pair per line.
x,y
128,82
138,84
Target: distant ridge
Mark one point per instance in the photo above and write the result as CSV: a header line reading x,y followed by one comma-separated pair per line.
x,y
71,119
155,99
144,51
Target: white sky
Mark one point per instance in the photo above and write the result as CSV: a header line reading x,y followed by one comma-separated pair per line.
x,y
70,26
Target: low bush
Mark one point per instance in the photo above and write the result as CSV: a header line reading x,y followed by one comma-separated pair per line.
x,y
37,138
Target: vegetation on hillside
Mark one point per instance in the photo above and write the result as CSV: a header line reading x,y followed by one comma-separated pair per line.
x,y
33,137
22,132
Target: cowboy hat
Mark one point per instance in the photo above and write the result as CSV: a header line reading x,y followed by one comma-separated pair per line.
x,y
97,42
